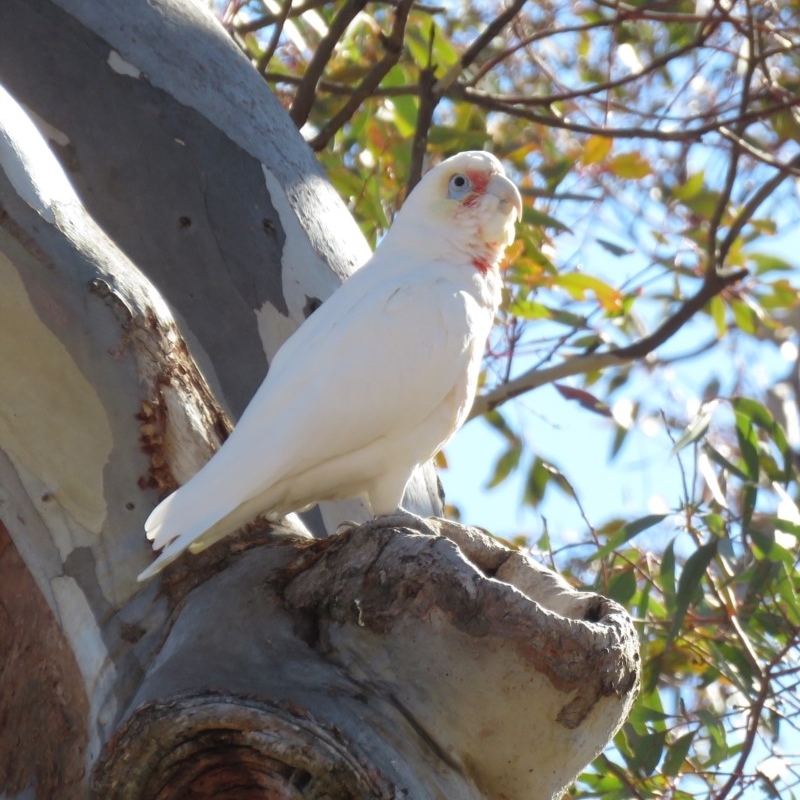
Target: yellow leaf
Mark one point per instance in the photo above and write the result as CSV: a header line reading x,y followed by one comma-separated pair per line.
x,y
630,165
596,149
578,284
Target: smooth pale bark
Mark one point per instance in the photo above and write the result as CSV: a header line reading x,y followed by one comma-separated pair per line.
x,y
374,663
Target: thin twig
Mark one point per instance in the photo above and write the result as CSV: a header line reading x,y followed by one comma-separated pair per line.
x,y
266,56
714,254
687,133
393,46
307,90
630,12
332,87
528,40
427,105
751,206
266,20
754,718
579,365
758,154
657,63
477,46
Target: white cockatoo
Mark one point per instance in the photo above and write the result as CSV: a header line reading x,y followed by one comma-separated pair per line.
x,y
376,380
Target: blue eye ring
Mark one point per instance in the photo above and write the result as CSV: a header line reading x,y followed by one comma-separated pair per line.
x,y
459,186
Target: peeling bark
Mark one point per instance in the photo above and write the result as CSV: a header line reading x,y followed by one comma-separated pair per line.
x,y
374,663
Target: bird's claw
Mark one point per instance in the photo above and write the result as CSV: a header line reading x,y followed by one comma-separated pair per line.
x,y
346,525
402,519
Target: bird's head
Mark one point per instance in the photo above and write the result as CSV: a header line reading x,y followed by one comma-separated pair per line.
x,y
464,203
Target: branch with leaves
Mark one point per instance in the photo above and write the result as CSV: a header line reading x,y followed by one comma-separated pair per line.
x,y
662,136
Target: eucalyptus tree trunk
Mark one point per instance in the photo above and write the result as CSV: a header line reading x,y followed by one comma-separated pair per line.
x,y
163,228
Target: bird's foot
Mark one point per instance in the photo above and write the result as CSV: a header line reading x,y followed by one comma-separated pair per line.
x,y
399,519
347,525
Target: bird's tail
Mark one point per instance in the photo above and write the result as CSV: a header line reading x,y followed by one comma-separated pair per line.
x,y
172,530
185,521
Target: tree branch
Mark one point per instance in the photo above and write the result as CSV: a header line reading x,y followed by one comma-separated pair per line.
x,y
534,37
477,46
428,100
655,64
304,97
393,45
715,256
751,206
578,365
265,20
759,154
754,717
266,56
498,103
332,87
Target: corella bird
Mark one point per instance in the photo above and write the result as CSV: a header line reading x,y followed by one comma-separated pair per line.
x,y
376,380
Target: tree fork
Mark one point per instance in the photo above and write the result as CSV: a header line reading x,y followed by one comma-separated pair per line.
x,y
360,665
341,664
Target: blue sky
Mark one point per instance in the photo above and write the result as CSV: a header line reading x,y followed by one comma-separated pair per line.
x,y
645,477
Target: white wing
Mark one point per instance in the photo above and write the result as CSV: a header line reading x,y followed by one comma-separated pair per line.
x,y
374,361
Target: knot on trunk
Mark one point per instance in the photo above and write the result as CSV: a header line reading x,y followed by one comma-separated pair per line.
x,y
229,748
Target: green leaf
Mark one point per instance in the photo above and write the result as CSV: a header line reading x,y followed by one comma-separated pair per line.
x,y
785,526
730,661
689,583
626,533
429,46
766,547
748,443
529,309
620,434
696,428
536,485
446,138
648,750
766,262
588,343
614,249
505,465
704,204
788,595
578,284
532,216
498,422
691,188
540,476
667,577
744,316
622,586
716,456
748,501
405,106
760,416
716,308
716,733
676,754
555,171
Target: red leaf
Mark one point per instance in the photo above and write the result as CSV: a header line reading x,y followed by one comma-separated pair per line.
x,y
586,399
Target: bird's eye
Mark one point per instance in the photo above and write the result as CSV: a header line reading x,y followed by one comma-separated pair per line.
x,y
459,186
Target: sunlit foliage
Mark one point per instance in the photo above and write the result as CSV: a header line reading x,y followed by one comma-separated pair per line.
x,y
661,135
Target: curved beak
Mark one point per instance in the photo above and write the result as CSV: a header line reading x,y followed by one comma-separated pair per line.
x,y
508,194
